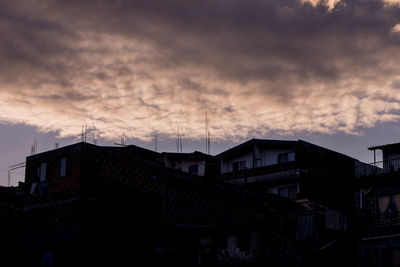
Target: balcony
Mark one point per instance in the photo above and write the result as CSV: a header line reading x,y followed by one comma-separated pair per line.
x,y
374,225
377,168
264,172
387,219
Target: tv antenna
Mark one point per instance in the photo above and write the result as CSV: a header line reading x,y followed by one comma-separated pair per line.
x,y
34,147
95,136
84,132
122,140
178,141
155,142
208,135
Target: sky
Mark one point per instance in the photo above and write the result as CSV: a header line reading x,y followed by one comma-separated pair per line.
x,y
326,72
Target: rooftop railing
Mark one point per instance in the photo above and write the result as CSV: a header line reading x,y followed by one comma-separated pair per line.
x,y
377,168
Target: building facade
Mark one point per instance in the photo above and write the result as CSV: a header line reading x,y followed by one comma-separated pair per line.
x,y
377,202
85,203
261,203
319,180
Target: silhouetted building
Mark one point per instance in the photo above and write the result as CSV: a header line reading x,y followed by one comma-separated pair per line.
x,y
377,202
196,163
261,203
321,182
112,206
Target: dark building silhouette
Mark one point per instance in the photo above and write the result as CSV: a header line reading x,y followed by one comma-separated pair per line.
x,y
319,180
118,206
377,203
261,203
10,219
196,163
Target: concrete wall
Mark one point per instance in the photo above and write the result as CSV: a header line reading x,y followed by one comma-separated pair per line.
x,y
270,156
264,156
227,165
185,166
391,156
275,190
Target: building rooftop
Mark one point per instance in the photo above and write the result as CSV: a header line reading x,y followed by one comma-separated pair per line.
x,y
276,143
386,146
197,155
251,142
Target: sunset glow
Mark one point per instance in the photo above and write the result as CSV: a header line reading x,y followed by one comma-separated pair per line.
x,y
139,67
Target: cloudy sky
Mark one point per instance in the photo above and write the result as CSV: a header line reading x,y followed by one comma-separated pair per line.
x,y
324,71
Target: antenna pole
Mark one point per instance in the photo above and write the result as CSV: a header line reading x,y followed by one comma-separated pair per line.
x,y
155,142
34,147
85,131
205,127
180,138
207,134
82,135
209,142
94,134
177,140
95,137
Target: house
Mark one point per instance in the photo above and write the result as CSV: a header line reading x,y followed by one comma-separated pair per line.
x,y
81,198
292,169
386,160
377,206
318,179
117,206
196,163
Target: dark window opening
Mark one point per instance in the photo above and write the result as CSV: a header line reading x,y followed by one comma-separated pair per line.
x,y
64,167
239,165
288,192
388,209
305,227
286,157
194,169
41,172
389,204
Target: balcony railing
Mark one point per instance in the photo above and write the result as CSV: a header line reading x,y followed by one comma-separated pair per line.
x,y
260,170
377,168
387,219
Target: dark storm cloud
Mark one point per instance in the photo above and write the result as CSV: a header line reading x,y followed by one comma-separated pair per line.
x,y
246,39
255,65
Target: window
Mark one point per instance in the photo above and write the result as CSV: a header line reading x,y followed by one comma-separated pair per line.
x,y
388,209
286,157
255,240
63,167
194,169
41,171
288,191
305,227
389,204
239,165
